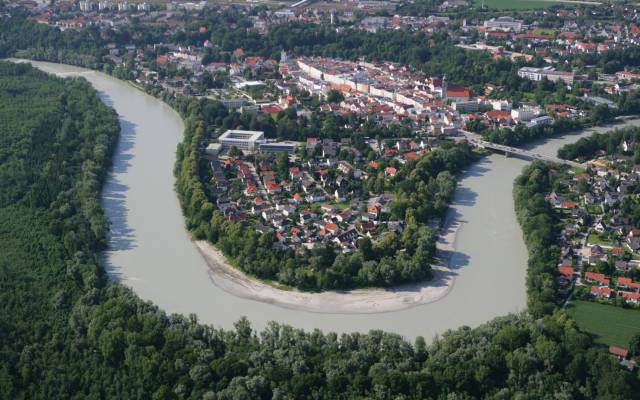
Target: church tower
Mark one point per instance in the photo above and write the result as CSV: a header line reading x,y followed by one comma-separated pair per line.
x,y
445,87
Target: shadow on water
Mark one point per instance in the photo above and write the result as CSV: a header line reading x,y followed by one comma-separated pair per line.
x,y
464,197
106,99
478,168
121,236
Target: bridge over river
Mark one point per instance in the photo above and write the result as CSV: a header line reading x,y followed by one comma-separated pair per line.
x,y
477,140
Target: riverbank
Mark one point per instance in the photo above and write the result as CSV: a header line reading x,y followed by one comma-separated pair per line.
x,y
358,301
151,252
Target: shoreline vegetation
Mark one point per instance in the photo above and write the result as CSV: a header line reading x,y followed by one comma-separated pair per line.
x,y
357,301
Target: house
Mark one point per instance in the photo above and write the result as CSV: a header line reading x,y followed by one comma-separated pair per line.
x,y
368,228
622,266
618,352
344,216
374,211
568,205
347,239
330,227
315,197
601,292
250,190
631,297
237,217
623,283
458,94
273,187
305,217
617,251
596,250
596,277
390,171
566,270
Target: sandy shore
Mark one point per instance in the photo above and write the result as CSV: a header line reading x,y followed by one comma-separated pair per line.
x,y
360,301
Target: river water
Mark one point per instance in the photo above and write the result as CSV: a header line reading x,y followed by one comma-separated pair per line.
x,y
150,250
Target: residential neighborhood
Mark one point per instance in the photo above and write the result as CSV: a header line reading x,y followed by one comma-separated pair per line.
x,y
316,193
600,239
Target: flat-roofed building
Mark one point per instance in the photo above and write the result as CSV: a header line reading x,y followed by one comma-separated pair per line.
x,y
242,140
466,106
504,23
278,147
537,74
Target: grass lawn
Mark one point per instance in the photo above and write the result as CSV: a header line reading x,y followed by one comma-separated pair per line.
x,y
594,209
594,238
610,324
545,31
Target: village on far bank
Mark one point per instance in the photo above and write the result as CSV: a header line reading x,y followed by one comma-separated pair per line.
x,y
600,239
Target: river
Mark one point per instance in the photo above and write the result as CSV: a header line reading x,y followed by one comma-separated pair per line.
x,y
150,250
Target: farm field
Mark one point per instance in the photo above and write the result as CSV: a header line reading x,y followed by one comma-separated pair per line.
x,y
610,325
527,4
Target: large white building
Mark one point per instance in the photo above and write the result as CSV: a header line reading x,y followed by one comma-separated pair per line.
x,y
537,74
242,140
504,24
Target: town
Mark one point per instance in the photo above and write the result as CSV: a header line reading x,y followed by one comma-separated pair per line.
x,y
307,192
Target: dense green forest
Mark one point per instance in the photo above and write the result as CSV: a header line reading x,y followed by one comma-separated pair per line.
x,y
22,37
68,332
422,189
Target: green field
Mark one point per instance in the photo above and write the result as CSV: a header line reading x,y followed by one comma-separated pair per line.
x,y
610,324
519,4
545,31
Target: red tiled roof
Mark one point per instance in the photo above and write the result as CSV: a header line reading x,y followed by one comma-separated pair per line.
x,y
617,251
601,291
618,351
593,276
565,270
272,109
458,92
631,296
624,281
498,115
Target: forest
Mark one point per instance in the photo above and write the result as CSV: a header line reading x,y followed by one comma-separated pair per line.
x,y
68,332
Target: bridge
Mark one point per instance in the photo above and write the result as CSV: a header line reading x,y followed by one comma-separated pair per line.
x,y
476,140
300,3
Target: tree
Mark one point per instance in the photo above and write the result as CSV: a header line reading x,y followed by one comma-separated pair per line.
x,y
334,96
634,344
